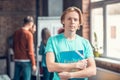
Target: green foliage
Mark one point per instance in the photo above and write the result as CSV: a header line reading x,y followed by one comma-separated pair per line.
x,y
95,46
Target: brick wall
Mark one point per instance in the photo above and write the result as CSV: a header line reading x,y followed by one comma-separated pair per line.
x,y
12,13
86,18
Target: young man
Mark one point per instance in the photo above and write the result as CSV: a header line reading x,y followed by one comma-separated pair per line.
x,y
24,50
70,42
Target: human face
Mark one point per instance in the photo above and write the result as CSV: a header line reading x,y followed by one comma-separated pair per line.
x,y
33,29
71,22
30,24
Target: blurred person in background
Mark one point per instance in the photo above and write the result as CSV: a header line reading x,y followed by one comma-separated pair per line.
x,y
45,34
24,50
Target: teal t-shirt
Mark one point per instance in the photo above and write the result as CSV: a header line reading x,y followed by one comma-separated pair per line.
x,y
60,43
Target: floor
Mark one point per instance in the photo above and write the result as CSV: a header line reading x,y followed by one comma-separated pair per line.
x,y
103,74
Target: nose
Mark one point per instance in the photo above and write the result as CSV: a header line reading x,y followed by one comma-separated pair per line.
x,y
72,21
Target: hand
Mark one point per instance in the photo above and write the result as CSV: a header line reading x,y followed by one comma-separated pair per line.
x,y
64,75
81,64
34,68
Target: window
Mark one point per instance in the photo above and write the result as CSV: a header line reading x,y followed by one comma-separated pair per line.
x,y
105,25
97,29
113,30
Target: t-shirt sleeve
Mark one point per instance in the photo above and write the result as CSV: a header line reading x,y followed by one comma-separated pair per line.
x,y
88,50
49,46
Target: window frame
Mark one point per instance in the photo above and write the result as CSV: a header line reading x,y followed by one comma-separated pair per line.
x,y
102,4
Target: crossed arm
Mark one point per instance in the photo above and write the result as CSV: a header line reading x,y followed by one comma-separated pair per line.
x,y
90,70
64,70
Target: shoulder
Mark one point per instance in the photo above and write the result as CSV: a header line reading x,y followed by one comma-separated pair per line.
x,y
57,37
82,39
28,34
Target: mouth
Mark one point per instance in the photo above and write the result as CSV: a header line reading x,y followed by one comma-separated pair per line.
x,y
72,26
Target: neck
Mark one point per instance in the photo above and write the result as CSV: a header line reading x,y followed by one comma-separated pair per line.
x,y
70,35
25,28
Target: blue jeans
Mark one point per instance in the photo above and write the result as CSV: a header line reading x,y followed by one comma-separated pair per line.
x,y
23,68
47,75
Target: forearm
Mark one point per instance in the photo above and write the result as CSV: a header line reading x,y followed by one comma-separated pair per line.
x,y
60,67
90,71
87,72
78,74
57,67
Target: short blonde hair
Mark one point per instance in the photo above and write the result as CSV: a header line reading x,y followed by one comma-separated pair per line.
x,y
71,9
